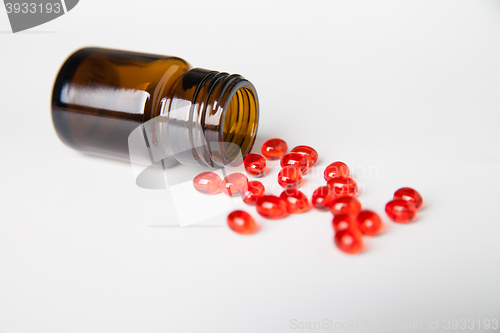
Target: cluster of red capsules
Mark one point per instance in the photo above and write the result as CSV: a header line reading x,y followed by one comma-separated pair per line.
x,y
350,222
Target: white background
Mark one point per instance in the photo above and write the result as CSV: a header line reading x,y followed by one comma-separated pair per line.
x,y
409,88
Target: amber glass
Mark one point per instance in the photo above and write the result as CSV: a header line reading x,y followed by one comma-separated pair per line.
x,y
100,96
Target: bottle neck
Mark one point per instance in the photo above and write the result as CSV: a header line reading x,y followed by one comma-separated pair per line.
x,y
211,118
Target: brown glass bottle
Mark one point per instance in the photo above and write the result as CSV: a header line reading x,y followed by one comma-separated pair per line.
x,y
199,116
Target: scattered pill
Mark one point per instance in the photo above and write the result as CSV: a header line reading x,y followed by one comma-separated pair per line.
x,y
409,194
401,211
235,184
345,205
343,185
290,177
297,201
344,221
242,223
307,152
336,169
349,241
295,159
274,149
255,165
255,191
208,183
369,222
272,207
322,198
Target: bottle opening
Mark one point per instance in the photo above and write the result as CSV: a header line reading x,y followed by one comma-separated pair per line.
x,y
212,118
239,126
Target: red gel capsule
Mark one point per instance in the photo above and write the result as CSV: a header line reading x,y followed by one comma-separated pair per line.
x,y
208,183
410,195
235,184
274,149
297,201
295,159
344,221
349,241
345,205
272,207
322,198
307,152
336,169
369,222
343,185
242,223
290,177
255,191
255,165
401,211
